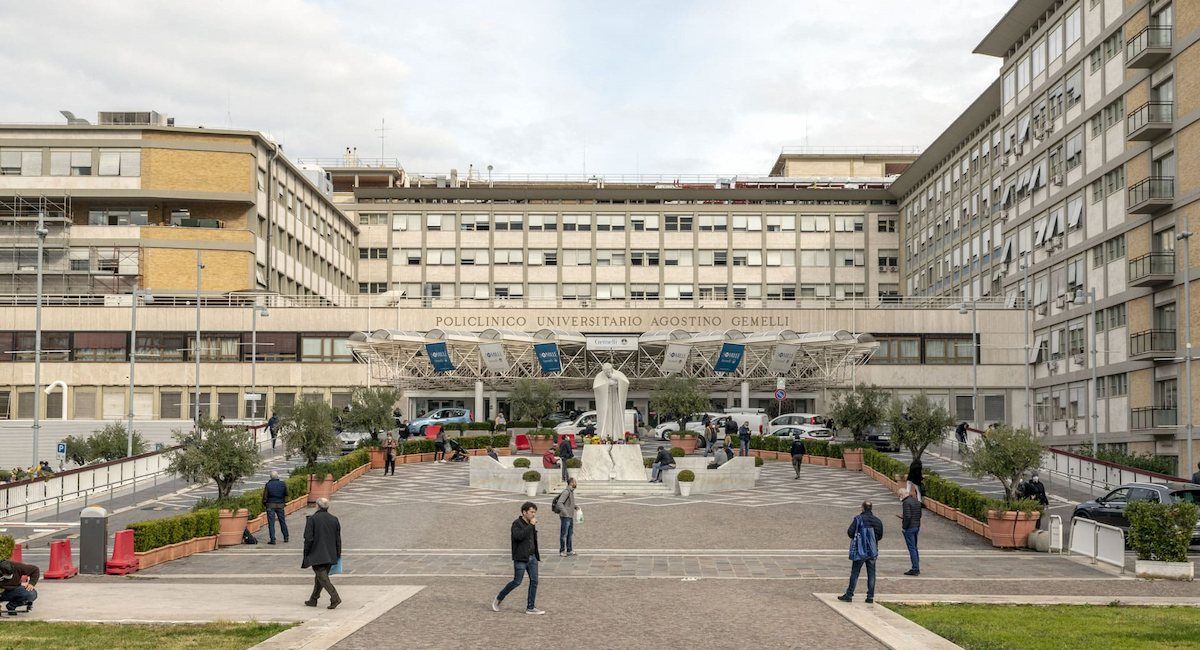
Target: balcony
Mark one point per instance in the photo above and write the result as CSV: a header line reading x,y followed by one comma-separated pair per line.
x,y
1151,196
1148,47
1153,417
1152,269
1151,343
1150,121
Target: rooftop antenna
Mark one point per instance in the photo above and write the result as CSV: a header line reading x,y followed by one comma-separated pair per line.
x,y
382,131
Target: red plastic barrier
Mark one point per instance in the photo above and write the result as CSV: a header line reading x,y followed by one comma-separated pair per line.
x,y
61,566
432,430
123,560
522,441
16,554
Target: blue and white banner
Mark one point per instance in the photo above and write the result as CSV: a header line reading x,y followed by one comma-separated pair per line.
x,y
548,357
730,357
675,358
494,357
439,357
782,358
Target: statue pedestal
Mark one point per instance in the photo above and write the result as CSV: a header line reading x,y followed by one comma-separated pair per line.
x,y
612,463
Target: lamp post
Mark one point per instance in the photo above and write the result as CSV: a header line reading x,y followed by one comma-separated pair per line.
x,y
1027,318
41,233
259,310
196,348
137,293
1185,237
1094,408
974,357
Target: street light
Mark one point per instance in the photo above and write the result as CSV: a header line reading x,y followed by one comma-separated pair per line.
x,y
196,351
41,233
1081,298
1185,237
974,357
145,295
259,310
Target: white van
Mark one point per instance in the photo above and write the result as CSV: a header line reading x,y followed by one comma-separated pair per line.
x,y
756,418
589,418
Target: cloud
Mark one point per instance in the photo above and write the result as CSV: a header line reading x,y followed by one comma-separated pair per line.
x,y
701,87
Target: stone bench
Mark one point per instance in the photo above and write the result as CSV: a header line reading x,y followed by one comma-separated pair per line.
x,y
737,474
489,474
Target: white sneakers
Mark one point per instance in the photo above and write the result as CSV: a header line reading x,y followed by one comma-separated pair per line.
x,y
496,605
535,611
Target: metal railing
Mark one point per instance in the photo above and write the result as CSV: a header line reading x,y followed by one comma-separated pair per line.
x,y
1156,36
1155,187
1153,417
1097,477
1150,112
353,161
1151,264
1097,541
852,149
1152,341
33,495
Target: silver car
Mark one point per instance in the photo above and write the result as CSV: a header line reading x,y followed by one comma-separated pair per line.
x,y
350,439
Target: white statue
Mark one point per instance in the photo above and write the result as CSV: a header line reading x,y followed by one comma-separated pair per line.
x,y
611,386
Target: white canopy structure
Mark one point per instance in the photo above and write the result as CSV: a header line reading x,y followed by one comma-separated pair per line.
x,y
807,361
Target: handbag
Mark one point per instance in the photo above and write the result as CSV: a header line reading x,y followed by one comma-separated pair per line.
x,y
336,568
579,515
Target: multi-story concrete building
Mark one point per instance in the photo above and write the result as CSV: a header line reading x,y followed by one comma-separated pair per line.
x,y
1068,176
132,201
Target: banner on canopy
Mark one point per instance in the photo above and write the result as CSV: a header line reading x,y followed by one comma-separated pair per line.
x,y
675,358
494,357
782,358
548,357
439,357
729,358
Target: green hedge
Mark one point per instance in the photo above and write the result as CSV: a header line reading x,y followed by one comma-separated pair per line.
x,y
1161,532
6,547
884,464
156,533
339,467
531,476
574,463
250,500
501,440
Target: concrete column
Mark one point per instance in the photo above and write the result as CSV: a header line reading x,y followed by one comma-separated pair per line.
x,y
745,394
479,401
493,406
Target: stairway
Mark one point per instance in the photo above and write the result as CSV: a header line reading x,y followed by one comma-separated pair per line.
x,y
622,488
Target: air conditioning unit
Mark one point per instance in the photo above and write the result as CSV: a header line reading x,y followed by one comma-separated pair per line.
x,y
893,269
1052,365
1005,215
1060,302
1004,162
1041,309
1039,134
1020,153
1050,126
585,303
1057,179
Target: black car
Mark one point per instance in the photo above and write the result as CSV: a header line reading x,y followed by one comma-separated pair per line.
x,y
881,437
1110,508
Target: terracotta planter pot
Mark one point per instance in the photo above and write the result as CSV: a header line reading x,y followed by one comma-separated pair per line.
x,y
153,557
232,525
539,446
818,460
378,457
853,459
205,544
292,506
504,451
687,444
1010,529
835,462
425,458
257,523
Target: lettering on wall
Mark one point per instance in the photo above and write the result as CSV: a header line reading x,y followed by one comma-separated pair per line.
x,y
633,321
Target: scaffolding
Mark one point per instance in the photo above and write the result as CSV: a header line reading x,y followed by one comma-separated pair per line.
x,y
66,269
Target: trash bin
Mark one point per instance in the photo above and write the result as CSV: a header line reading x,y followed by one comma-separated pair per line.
x,y
93,540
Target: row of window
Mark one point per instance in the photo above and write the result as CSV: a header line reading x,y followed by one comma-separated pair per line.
x,y
71,162
177,346
923,348
634,291
92,403
886,258
619,223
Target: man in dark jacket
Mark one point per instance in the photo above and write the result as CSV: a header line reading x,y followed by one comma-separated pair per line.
x,y
322,550
910,524
565,452
744,437
525,556
797,455
916,476
14,587
275,497
1036,491
871,521
273,428
662,460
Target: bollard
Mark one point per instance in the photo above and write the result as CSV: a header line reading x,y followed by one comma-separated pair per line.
x,y
60,561
123,560
93,540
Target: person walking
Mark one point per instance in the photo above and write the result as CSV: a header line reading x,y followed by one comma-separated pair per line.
x,y
18,582
565,452
916,477
525,557
866,531
322,550
274,498
960,434
744,437
439,446
564,506
798,452
662,460
272,426
910,525
491,452
389,454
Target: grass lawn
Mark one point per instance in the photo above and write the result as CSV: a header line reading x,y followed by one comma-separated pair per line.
x,y
1054,627
223,636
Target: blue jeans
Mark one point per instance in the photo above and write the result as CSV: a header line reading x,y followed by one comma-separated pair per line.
x,y
854,569
910,540
272,515
566,534
745,447
18,596
519,569
656,470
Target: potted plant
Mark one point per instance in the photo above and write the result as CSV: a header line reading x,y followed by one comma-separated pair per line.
x,y
521,462
1005,454
573,466
541,440
685,441
231,526
685,479
1160,533
533,479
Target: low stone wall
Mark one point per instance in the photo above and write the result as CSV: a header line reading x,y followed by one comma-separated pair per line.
x,y
737,474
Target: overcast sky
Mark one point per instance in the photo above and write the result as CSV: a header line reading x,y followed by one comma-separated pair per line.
x,y
603,87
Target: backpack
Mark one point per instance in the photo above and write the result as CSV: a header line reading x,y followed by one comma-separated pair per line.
x,y
554,507
247,538
863,546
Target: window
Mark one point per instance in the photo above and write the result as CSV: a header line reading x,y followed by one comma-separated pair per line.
x,y
887,224
18,162
433,222
508,257
610,222
781,292
227,405
678,223
1074,86
1116,385
476,222
714,292
643,258
442,257
781,223
577,257
406,222
216,347
849,257
372,287
677,258
747,258
119,163
713,223
508,291
510,222
325,349
644,222
170,404
948,350
814,224
643,292
747,223
372,253
1073,150
373,219
1037,60
543,258
814,291
1073,26
1054,43
118,217
543,222
100,346
888,259
162,346
814,258
610,258
714,258
1010,86
849,291
897,350
848,224
993,408
781,258
1023,72
70,163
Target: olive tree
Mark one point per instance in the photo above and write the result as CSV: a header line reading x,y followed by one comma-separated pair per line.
x,y
532,399
308,430
214,452
918,422
371,410
1005,453
860,409
109,443
679,396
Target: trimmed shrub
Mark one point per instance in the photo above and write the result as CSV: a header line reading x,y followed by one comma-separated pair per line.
x,y
888,466
677,452
574,463
542,433
339,467
521,462
1161,532
817,448
758,461
532,476
156,533
297,486
501,440
648,462
6,547
686,476
250,500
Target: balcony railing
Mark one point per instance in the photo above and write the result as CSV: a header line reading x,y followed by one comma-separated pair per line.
x,y
1150,120
1152,268
1151,195
1151,342
1148,47
1153,417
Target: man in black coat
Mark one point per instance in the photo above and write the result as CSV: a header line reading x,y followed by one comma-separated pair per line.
x,y
565,452
662,460
910,525
322,550
1035,490
274,500
916,476
798,452
871,521
525,556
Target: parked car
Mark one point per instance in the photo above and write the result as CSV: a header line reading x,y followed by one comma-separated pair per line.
x,y
791,419
556,418
441,416
664,430
881,437
351,439
1110,508
589,418
803,432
